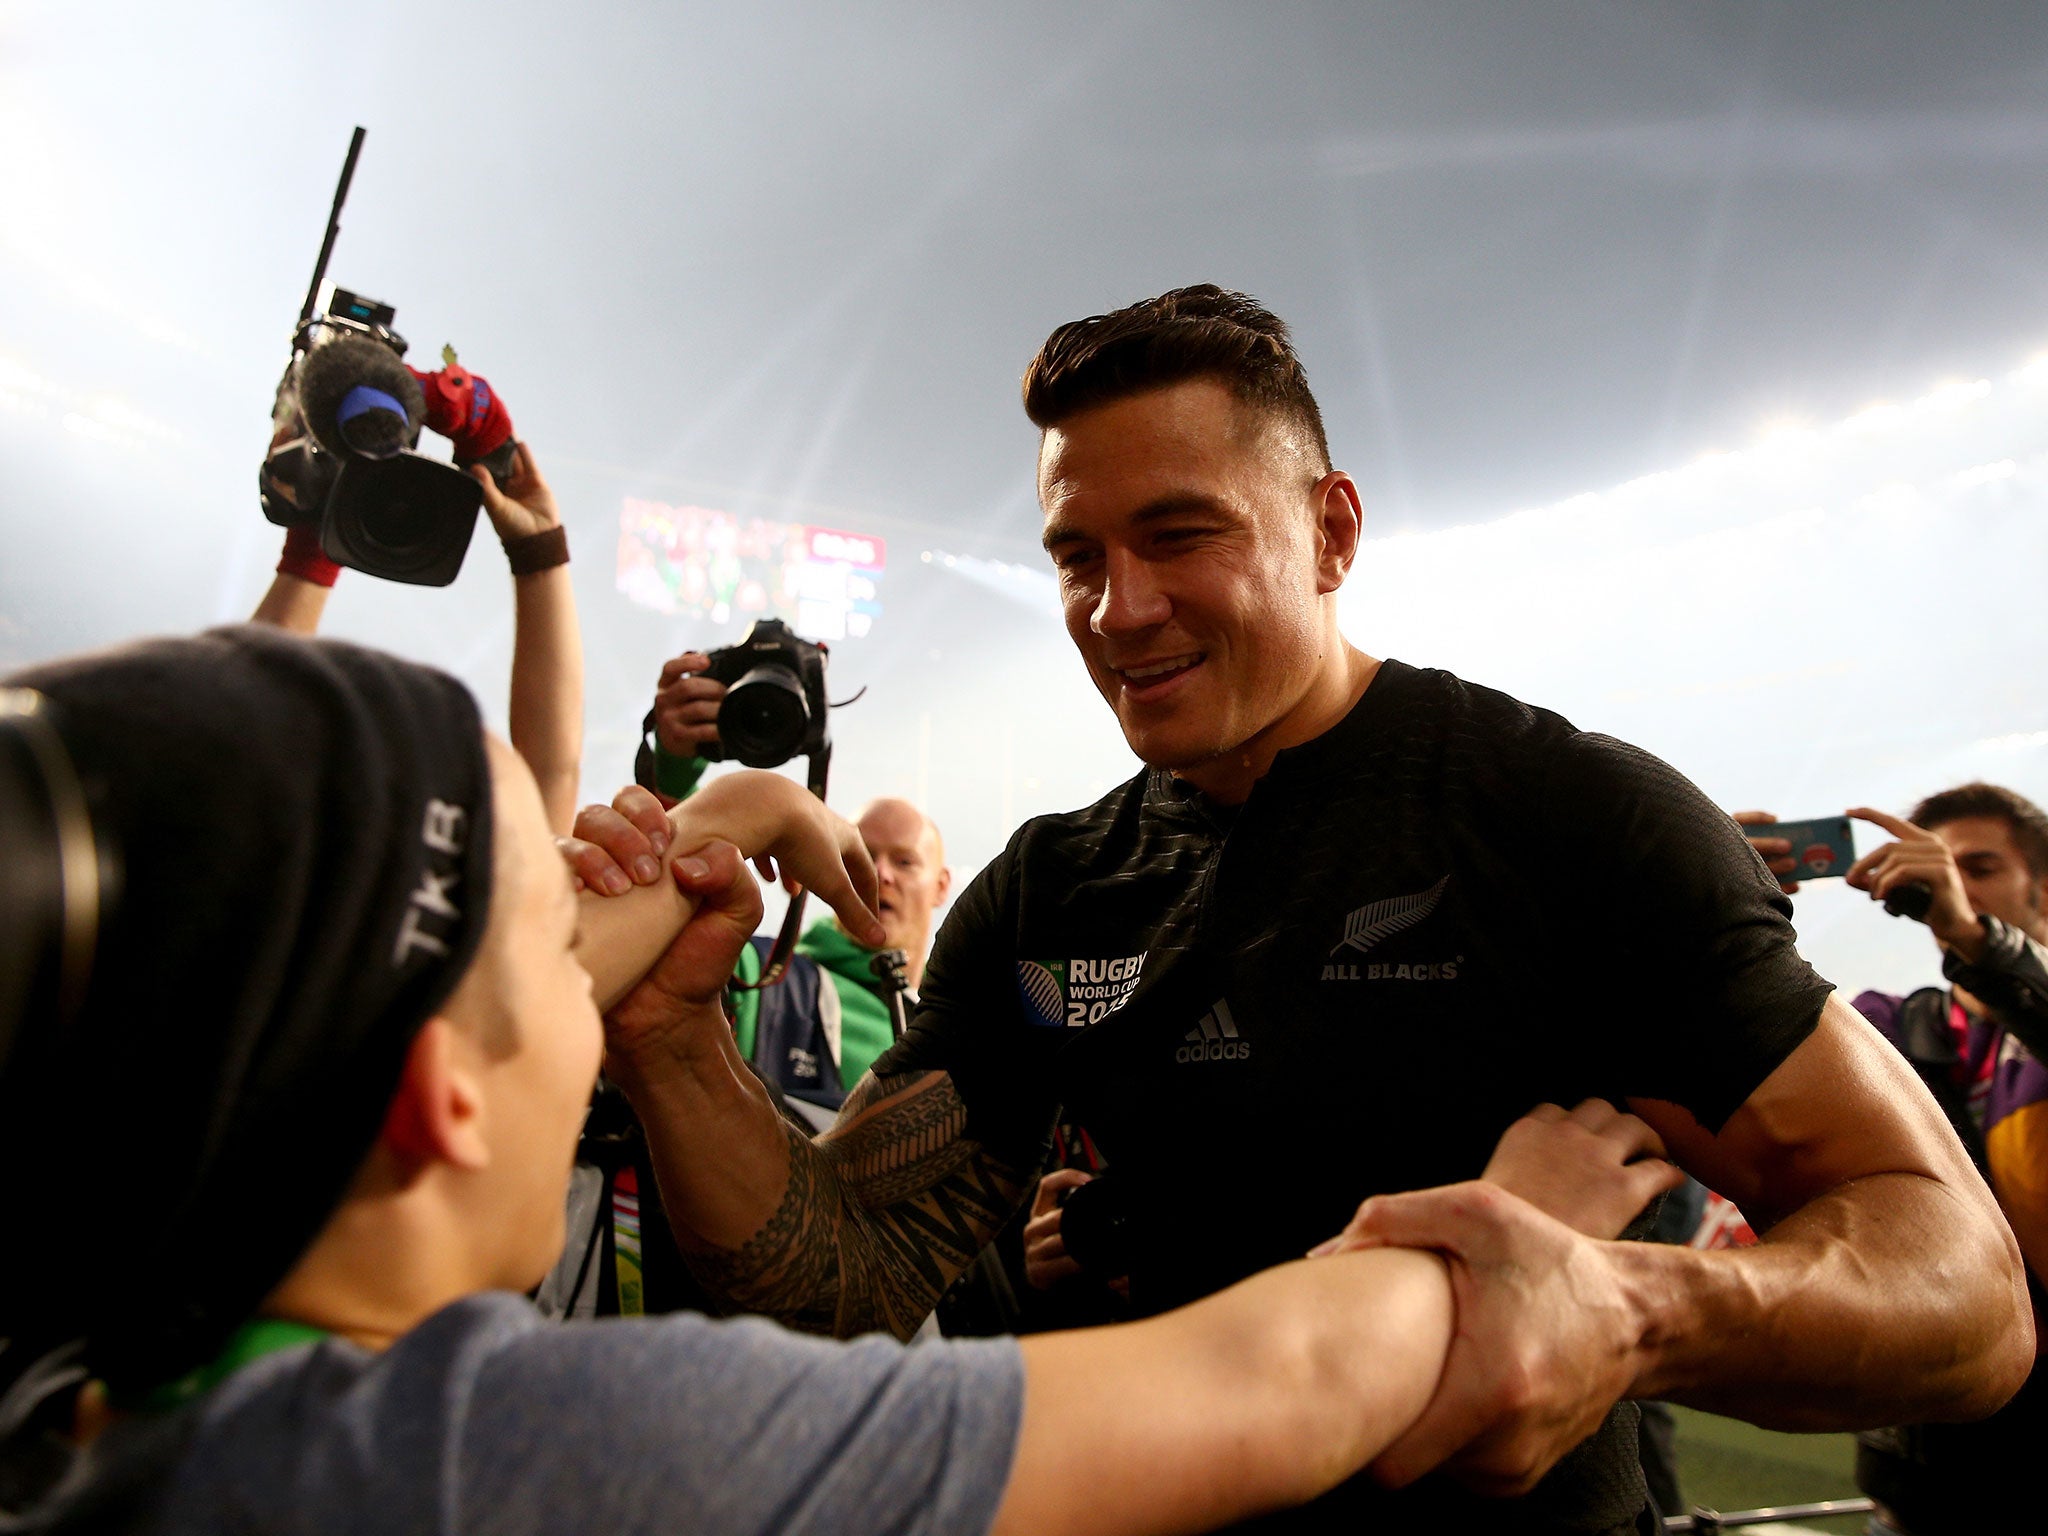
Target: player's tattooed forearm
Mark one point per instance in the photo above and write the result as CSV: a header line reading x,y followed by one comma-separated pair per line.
x,y
786,1269
877,1219
905,1139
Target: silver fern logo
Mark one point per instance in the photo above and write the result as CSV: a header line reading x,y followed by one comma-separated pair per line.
x,y
1383,919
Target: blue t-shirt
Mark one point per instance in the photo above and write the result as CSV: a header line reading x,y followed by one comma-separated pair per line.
x,y
489,1419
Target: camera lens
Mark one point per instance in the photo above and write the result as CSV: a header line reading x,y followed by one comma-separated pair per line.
x,y
1095,1224
392,526
406,518
762,718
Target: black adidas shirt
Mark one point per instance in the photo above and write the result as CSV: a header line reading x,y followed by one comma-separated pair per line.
x,y
1446,909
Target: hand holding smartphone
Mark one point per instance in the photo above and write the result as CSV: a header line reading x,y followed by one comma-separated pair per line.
x,y
1820,849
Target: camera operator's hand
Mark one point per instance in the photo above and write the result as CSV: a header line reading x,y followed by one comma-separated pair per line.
x,y
525,506
769,817
297,597
1920,857
1776,852
1046,1262
686,706
289,430
615,847
683,989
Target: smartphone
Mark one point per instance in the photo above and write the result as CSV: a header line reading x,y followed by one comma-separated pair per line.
x,y
1822,847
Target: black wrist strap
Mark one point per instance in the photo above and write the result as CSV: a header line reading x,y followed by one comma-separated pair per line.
x,y
535,552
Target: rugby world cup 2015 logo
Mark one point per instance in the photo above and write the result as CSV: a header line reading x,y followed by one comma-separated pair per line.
x,y
1043,987
1072,994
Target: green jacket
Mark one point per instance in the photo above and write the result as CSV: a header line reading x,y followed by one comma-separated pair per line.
x,y
677,776
863,1017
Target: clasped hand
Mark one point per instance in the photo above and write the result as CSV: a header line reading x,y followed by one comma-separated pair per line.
x,y
700,846
1548,1333
692,973
788,832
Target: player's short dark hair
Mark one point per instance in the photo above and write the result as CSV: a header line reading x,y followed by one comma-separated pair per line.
x,y
1203,332
2027,822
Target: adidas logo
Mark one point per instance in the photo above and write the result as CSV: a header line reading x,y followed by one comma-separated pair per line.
x,y
1215,1038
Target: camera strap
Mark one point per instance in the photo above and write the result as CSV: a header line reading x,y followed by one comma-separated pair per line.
x,y
792,923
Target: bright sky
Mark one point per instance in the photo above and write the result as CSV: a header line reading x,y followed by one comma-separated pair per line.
x,y
1682,350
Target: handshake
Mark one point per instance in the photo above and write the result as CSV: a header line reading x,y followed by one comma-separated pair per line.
x,y
681,870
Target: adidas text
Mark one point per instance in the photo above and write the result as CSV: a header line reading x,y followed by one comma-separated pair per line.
x,y
1214,1050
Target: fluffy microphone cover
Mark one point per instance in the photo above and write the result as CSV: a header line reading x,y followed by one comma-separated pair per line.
x,y
327,376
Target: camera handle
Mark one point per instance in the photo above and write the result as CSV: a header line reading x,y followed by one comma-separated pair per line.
x,y
792,921
1914,899
348,174
891,970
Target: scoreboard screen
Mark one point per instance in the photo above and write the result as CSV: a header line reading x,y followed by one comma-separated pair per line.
x,y
700,563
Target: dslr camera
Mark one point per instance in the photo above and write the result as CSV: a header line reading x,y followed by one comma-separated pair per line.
x,y
1095,1225
774,705
773,710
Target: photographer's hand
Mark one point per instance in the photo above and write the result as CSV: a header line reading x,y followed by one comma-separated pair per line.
x,y
1046,1262
686,705
1920,857
1776,852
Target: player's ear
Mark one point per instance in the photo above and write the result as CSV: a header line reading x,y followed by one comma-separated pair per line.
x,y
945,884
436,1116
1340,526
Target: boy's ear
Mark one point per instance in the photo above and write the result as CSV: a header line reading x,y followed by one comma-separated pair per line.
x,y
436,1116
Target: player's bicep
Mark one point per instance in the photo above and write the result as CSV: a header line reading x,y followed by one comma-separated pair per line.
x,y
1843,1105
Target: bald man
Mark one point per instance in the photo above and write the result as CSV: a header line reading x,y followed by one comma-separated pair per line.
x,y
910,859
817,1032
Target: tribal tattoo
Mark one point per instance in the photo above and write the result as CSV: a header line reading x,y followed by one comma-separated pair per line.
x,y
879,1216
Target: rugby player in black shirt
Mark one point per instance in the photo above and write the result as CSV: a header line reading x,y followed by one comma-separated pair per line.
x,y
1352,920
